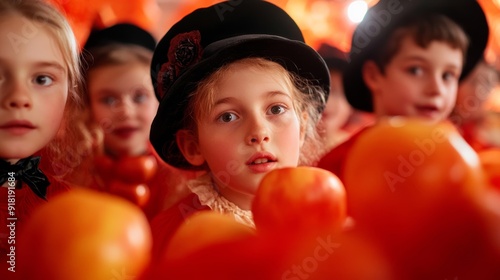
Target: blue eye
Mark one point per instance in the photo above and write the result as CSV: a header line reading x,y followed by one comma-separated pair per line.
x,y
415,70
449,76
227,117
140,98
277,110
43,80
109,100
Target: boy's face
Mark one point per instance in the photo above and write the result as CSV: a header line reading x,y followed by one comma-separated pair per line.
x,y
123,103
417,82
252,129
33,87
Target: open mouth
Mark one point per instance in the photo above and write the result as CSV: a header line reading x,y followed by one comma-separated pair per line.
x,y
261,158
261,161
428,110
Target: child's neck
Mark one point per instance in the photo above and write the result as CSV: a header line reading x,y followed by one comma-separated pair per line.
x,y
117,155
243,201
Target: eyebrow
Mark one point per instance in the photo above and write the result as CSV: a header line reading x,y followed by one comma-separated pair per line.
x,y
50,64
269,94
413,57
107,92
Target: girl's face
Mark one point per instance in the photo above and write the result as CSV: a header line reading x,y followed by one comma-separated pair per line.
x,y
33,87
418,82
123,103
252,129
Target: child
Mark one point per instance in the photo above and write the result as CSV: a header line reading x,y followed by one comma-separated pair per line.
x,y
406,60
241,94
470,113
39,84
339,120
120,106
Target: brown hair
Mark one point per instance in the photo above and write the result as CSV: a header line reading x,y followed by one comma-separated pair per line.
x,y
424,30
304,93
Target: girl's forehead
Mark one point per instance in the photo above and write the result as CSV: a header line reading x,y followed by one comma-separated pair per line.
x,y
27,40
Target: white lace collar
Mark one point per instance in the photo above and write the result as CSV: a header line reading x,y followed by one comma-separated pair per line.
x,y
204,188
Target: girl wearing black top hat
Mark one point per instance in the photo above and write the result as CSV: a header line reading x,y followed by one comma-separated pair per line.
x,y
240,94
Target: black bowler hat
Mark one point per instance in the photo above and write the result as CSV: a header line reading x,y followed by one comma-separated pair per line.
x,y
387,15
335,58
121,33
211,37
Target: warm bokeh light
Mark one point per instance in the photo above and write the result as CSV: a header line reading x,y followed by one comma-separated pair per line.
x,y
493,101
357,10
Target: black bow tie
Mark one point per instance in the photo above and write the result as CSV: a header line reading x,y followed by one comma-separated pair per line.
x,y
26,170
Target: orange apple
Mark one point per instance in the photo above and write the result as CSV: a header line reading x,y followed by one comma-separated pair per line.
x,y
138,169
83,235
138,194
299,201
412,185
490,161
202,229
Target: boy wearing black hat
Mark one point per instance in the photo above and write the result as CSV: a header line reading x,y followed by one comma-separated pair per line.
x,y
407,58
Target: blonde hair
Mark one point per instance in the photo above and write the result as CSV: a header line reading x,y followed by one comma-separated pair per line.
x,y
56,24
308,100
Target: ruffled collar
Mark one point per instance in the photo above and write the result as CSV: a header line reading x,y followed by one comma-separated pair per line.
x,y
204,188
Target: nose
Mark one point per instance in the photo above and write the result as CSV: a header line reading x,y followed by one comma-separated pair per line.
x,y
258,132
436,86
17,96
125,109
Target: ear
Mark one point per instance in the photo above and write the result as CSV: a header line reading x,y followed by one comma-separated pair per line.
x,y
190,149
371,75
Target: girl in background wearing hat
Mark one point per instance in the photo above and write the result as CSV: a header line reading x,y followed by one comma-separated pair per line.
x,y
412,66
120,106
241,95
39,84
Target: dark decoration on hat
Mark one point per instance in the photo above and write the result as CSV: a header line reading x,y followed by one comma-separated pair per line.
x,y
386,15
184,51
208,38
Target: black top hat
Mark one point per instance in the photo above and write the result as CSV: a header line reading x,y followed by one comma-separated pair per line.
x,y
387,15
121,33
335,58
208,38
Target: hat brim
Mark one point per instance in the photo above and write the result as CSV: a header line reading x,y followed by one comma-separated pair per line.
x,y
468,14
122,33
298,58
